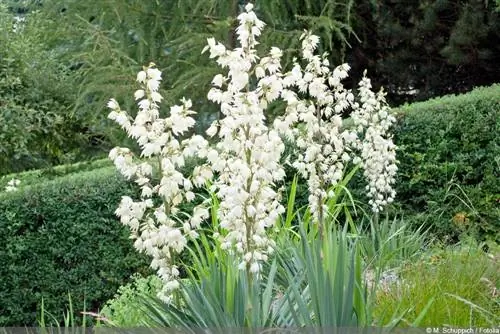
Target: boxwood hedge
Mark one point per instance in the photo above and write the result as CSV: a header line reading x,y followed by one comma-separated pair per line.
x,y
449,171
50,173
61,236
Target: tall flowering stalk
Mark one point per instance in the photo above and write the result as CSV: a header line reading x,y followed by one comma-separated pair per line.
x,y
378,153
155,221
313,120
246,158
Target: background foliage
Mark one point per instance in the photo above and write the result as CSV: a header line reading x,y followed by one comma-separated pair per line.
x,y
61,237
423,49
449,152
62,59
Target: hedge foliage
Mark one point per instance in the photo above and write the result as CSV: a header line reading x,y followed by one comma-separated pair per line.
x,y
449,171
61,236
42,175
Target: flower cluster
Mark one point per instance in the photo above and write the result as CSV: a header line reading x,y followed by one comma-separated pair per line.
x,y
313,120
157,229
246,158
378,153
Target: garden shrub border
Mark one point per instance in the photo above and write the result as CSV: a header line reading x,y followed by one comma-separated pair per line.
x,y
61,236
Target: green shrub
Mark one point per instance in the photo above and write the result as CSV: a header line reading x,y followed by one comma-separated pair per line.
x,y
125,309
40,81
449,151
61,236
42,175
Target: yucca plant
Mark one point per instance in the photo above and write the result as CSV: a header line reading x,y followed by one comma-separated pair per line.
x,y
310,281
389,242
216,293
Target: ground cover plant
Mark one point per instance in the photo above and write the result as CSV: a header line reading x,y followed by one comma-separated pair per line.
x,y
461,283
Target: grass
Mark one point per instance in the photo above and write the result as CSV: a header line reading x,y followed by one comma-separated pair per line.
x,y
457,285
52,324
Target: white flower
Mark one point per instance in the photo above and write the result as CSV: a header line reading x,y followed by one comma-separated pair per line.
x,y
156,97
189,196
139,94
141,76
212,130
153,85
254,267
218,80
113,105
216,49
154,74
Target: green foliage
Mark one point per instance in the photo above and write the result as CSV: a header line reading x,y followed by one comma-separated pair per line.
x,y
390,243
37,88
67,57
298,288
60,237
63,61
217,294
461,282
324,282
124,310
449,175
106,44
46,319
42,175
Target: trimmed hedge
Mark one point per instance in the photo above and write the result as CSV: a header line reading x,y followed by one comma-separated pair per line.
x,y
42,175
61,236
449,171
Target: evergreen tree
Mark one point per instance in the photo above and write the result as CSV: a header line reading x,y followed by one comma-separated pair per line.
x,y
420,49
104,43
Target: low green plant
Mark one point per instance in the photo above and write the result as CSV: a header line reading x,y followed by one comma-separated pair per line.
x,y
124,309
391,242
324,281
47,319
457,286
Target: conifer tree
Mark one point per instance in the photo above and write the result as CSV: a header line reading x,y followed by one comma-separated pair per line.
x,y
420,49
